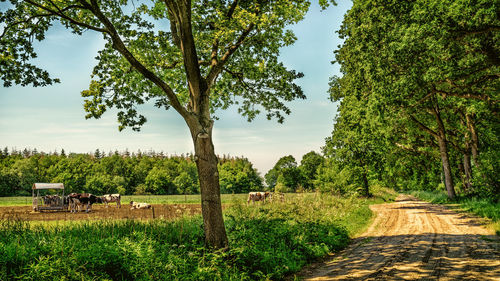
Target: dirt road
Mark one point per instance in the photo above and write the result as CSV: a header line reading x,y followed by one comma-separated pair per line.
x,y
414,240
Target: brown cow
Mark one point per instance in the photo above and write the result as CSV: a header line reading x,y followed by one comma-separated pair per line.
x,y
258,196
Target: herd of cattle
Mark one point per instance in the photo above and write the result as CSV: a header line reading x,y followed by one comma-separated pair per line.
x,y
79,201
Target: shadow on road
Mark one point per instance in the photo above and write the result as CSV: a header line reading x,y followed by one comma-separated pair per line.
x,y
414,240
428,256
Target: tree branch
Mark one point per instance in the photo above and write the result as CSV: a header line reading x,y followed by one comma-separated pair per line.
x,y
62,15
475,96
122,49
233,6
23,21
181,11
423,127
216,69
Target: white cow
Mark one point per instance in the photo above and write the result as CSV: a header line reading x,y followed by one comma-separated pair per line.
x,y
108,198
137,205
258,196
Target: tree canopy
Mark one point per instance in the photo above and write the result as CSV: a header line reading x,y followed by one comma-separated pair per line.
x,y
419,89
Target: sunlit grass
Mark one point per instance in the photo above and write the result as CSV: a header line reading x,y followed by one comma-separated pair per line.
x,y
268,241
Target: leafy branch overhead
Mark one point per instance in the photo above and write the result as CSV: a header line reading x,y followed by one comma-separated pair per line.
x,y
162,50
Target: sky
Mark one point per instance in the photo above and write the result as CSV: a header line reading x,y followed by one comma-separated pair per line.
x,y
52,118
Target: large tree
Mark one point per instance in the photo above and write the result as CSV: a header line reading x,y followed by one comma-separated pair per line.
x,y
193,56
429,69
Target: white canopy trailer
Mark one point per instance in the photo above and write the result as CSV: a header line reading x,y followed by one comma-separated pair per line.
x,y
57,201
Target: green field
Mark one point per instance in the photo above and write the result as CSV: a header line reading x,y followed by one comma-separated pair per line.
x,y
152,199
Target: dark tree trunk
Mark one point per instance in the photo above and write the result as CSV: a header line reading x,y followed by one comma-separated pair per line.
x,y
443,152
366,188
471,126
445,160
467,172
211,206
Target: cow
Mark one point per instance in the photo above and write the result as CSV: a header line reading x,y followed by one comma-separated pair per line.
x,y
137,205
108,198
78,200
51,200
258,196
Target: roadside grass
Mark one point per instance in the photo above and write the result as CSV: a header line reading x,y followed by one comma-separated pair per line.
x,y
268,242
482,207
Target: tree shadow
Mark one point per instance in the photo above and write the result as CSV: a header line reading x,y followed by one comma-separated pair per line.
x,y
427,256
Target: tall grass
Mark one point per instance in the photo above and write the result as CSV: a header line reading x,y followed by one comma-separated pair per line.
x,y
268,241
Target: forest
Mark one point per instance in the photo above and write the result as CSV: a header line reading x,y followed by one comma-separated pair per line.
x,y
141,173
115,172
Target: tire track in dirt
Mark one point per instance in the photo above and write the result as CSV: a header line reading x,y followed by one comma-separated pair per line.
x,y
414,240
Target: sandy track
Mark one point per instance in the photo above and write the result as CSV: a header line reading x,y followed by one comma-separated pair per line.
x,y
414,240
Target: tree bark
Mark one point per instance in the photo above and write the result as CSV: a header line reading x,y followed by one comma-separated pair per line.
x,y
211,206
448,178
471,127
467,171
443,152
366,188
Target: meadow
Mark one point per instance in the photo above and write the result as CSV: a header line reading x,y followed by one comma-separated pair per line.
x,y
267,242
152,199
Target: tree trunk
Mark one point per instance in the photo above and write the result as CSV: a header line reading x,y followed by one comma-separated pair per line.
x,y
467,171
471,126
211,206
366,188
448,178
443,152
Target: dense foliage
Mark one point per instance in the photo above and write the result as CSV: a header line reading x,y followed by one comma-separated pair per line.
x,y
124,173
268,242
418,97
287,176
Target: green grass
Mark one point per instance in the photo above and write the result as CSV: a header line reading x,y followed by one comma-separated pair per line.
x,y
152,199
268,242
15,201
482,207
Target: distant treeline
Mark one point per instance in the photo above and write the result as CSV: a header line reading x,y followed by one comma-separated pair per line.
x,y
119,172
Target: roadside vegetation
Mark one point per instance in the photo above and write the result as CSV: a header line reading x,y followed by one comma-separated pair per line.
x,y
483,207
268,241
